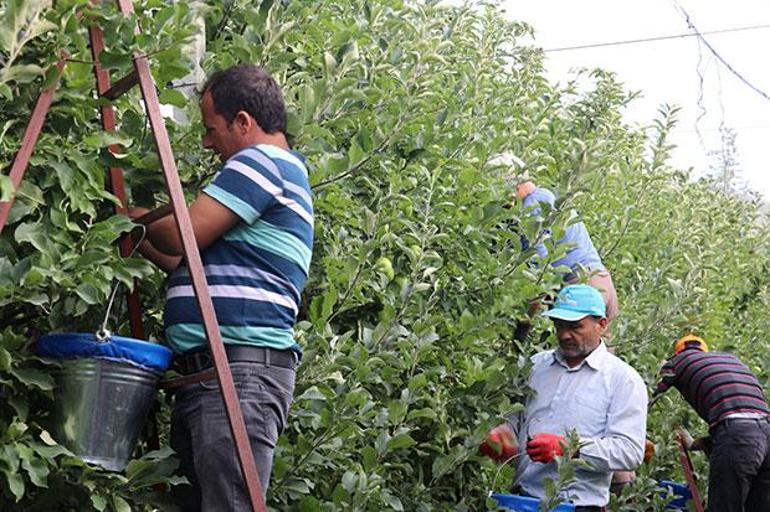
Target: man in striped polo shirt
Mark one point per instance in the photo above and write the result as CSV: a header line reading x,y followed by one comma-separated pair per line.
x,y
254,227
728,396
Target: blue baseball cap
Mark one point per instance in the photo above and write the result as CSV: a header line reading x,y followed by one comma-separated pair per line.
x,y
576,302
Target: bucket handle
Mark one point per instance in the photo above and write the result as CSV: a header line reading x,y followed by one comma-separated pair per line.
x,y
103,334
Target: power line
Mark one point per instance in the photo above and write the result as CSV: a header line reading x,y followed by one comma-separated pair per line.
x,y
716,54
745,128
658,38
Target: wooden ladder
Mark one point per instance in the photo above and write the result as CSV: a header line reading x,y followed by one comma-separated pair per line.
x,y
689,474
142,76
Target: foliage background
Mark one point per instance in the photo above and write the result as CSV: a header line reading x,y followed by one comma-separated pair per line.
x,y
417,281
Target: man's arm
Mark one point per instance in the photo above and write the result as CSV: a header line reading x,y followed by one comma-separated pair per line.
x,y
164,261
621,448
210,220
532,204
667,378
161,260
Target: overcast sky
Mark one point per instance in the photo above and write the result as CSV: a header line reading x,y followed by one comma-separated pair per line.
x,y
668,71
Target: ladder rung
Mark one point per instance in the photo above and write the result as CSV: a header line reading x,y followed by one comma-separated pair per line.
x,y
122,86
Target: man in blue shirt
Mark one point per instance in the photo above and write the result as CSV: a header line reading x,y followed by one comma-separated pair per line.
x,y
579,387
254,227
582,259
582,256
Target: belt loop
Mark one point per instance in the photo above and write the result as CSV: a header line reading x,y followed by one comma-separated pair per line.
x,y
267,357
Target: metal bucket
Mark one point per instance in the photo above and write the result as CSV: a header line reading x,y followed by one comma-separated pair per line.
x,y
101,407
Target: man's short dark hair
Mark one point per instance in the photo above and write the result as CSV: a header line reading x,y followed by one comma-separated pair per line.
x,y
249,88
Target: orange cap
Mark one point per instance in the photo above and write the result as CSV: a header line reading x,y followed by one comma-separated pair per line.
x,y
524,189
686,340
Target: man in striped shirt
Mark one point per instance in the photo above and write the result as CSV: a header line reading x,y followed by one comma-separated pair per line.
x,y
728,396
254,227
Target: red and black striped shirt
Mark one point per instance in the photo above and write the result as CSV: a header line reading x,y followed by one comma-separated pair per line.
x,y
715,384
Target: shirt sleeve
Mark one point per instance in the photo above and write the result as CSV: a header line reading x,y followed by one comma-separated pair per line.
x,y
621,448
514,419
246,187
667,378
532,205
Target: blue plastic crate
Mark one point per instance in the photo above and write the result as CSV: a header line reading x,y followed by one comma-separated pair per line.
x,y
525,503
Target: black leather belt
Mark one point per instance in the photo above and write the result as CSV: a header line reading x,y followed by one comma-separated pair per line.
x,y
198,361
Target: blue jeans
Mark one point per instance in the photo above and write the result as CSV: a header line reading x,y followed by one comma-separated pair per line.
x,y
200,434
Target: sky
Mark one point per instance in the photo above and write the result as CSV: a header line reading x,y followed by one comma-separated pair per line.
x,y
668,71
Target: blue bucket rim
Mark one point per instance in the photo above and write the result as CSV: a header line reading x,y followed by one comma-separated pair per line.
x,y
143,354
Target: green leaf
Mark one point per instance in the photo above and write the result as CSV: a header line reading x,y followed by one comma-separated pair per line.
x,y
349,480
120,504
6,187
51,452
32,278
20,406
34,234
401,441
98,501
92,257
369,457
5,360
7,34
33,378
309,504
16,429
152,469
392,501
364,139
36,468
113,60
173,97
312,393
65,175
299,486
22,73
355,153
89,294
426,412
445,463
9,457
397,410
47,439
15,484
381,442
39,27
102,139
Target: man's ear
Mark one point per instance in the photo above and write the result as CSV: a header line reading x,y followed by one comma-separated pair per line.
x,y
243,122
603,322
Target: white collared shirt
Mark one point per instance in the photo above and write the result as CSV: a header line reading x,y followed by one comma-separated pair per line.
x,y
604,400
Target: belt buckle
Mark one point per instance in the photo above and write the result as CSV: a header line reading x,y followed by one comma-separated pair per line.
x,y
201,361
187,364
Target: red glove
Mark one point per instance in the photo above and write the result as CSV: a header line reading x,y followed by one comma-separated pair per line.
x,y
500,444
544,447
649,450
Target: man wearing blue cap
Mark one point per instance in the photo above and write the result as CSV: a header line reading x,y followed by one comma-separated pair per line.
x,y
578,387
